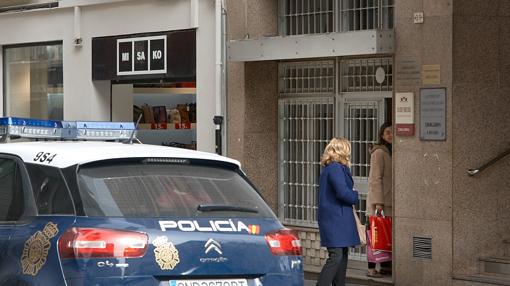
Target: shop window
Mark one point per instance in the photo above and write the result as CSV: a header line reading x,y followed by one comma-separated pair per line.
x,y
33,81
168,114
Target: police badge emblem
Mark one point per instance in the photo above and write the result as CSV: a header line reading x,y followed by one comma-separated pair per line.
x,y
166,254
36,249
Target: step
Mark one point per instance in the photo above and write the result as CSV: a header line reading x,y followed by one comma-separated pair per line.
x,y
495,265
485,279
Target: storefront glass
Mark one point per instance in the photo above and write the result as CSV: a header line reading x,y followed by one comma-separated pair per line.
x,y
33,81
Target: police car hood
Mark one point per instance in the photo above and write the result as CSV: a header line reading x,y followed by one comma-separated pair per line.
x,y
63,154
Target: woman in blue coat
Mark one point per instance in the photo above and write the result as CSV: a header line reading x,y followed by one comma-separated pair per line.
x,y
337,226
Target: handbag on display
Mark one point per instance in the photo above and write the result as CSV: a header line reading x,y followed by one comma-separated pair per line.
x,y
183,110
148,114
175,116
361,228
137,110
376,256
159,114
193,112
380,231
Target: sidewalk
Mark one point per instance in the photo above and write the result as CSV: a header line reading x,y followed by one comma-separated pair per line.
x,y
356,276
312,283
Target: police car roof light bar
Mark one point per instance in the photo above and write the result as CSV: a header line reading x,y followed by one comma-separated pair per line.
x,y
14,127
97,130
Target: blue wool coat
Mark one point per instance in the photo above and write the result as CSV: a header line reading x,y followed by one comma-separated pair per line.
x,y
337,226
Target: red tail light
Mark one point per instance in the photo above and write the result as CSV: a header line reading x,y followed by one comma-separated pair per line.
x,y
102,243
284,242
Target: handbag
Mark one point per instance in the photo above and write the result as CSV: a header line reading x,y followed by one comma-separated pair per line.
x,y
376,256
380,228
361,228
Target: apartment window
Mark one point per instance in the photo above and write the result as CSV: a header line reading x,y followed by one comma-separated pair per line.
x,y
33,81
311,77
362,75
300,17
306,111
306,126
307,16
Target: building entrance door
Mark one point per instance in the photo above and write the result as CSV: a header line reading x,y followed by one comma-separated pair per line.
x,y
358,119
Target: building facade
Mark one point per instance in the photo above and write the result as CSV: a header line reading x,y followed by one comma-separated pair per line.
x,y
113,60
302,72
299,73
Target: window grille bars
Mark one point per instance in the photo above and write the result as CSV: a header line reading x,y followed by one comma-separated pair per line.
x,y
307,16
313,77
359,75
361,121
301,17
306,126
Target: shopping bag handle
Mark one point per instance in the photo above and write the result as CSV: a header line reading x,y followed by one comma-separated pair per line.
x,y
379,212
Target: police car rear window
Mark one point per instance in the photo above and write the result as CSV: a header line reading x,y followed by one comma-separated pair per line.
x,y
161,190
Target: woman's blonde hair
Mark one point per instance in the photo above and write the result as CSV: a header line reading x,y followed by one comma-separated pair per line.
x,y
338,150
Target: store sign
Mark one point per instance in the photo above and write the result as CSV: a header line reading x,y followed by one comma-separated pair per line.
x,y
143,55
433,114
404,117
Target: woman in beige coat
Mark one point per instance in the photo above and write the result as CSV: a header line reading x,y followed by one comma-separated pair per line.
x,y
379,185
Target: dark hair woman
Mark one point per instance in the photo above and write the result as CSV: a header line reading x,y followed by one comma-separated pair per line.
x,y
380,186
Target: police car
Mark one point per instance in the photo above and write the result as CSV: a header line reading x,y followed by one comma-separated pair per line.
x,y
78,210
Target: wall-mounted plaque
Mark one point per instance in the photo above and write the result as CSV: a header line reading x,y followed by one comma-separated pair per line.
x,y
433,114
404,116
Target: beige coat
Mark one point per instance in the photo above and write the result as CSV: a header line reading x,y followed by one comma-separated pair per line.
x,y
379,180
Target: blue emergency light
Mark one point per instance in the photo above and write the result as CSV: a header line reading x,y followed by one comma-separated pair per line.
x,y
30,128
14,127
97,130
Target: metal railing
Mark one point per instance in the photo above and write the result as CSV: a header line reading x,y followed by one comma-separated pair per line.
x,y
472,172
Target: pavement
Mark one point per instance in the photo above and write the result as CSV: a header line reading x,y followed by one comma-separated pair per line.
x,y
312,283
356,276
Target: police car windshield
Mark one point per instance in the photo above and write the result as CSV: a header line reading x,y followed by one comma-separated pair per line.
x,y
161,190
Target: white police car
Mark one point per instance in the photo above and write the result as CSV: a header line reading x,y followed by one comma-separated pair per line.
x,y
76,212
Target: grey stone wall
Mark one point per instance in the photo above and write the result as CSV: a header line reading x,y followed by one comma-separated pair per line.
x,y
252,100
481,130
423,169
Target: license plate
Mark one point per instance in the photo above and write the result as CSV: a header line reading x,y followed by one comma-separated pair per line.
x,y
212,282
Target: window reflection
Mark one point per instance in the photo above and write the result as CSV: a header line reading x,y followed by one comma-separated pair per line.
x,y
33,81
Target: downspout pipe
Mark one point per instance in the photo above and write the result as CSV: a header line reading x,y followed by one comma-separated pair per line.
x,y
218,118
77,40
224,90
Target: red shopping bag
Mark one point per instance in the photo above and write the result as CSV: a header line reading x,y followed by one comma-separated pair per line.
x,y
376,256
380,228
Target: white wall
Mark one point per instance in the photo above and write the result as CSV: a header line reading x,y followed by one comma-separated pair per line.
x,y
206,102
88,100
122,102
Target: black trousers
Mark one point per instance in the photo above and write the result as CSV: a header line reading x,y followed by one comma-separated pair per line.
x,y
333,272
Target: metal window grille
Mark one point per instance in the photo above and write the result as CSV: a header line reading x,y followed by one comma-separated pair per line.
x,y
362,75
306,126
299,17
387,7
356,15
361,123
307,17
313,77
